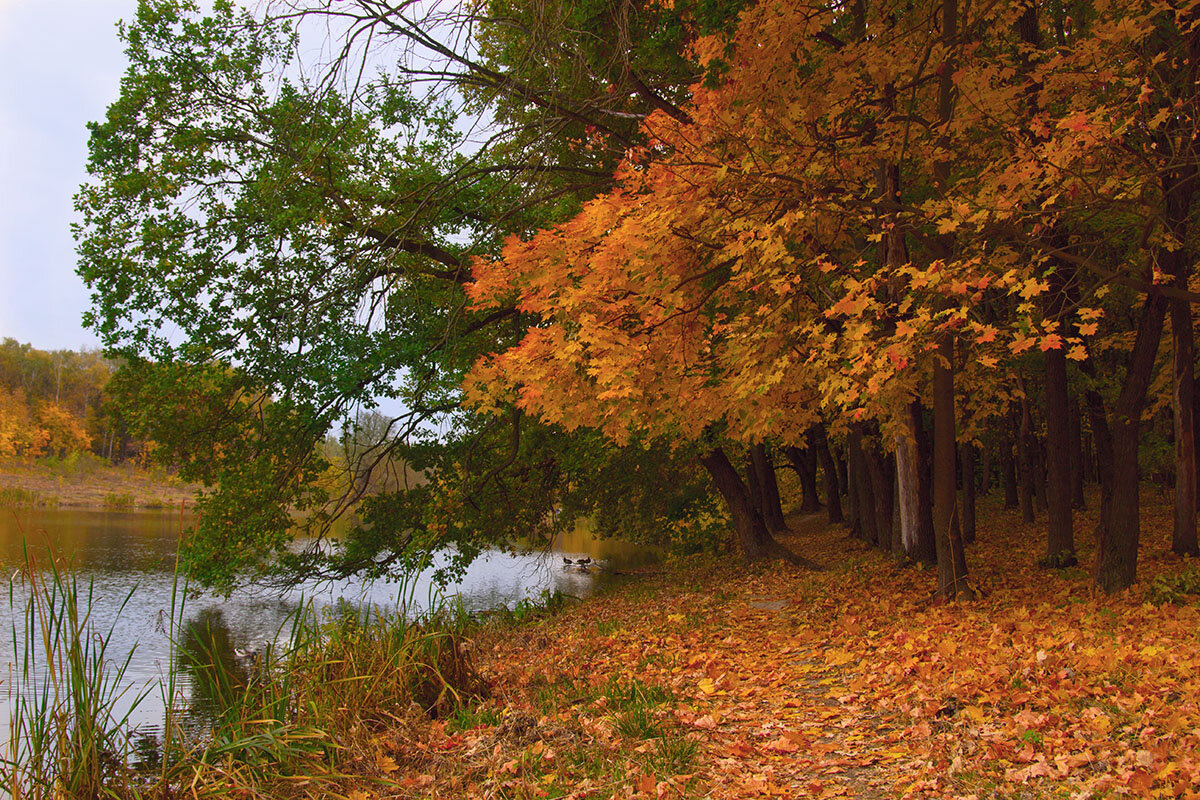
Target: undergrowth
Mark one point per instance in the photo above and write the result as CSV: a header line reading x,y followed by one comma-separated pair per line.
x,y
305,709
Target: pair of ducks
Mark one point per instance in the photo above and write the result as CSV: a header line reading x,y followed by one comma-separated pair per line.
x,y
582,562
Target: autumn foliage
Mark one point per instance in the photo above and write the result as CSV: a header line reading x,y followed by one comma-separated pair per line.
x,y
859,199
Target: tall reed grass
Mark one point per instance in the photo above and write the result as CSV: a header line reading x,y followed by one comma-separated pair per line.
x,y
302,710
68,732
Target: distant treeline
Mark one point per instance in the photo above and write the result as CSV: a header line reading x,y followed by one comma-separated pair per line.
x,y
54,403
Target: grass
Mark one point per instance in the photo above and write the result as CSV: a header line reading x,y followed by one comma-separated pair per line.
x,y
309,710
15,497
119,501
70,705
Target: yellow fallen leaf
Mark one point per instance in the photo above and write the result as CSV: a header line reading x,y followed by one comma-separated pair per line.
x,y
974,713
707,686
836,658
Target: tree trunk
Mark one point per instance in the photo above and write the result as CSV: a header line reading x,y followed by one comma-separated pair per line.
x,y
985,470
1025,463
967,453
802,464
951,560
768,487
1060,535
853,514
833,503
754,539
879,466
1120,521
1008,472
1039,475
1117,545
1196,424
1183,539
861,486
908,491
842,472
926,541
1078,501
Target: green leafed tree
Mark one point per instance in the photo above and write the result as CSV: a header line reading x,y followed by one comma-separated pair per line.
x,y
278,241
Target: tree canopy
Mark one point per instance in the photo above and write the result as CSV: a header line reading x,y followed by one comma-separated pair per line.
x,y
634,238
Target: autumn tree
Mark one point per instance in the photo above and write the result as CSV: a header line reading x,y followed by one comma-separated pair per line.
x,y
275,247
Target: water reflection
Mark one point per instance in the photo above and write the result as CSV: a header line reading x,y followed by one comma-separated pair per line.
x,y
122,555
209,665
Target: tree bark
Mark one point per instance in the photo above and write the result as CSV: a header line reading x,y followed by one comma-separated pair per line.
x,y
1183,538
908,464
985,470
967,459
1196,424
951,560
861,486
926,541
754,539
879,466
833,503
1120,513
1060,535
768,488
1039,474
1078,501
806,472
1008,472
1025,463
842,472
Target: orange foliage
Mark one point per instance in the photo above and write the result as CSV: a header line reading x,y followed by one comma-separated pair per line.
x,y
44,428
735,274
64,432
19,434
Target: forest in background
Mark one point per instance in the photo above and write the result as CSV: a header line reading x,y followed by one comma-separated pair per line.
x,y
55,403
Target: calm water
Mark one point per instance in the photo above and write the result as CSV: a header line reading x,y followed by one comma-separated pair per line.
x,y
131,555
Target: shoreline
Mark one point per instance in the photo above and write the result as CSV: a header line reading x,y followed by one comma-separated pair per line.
x,y
87,482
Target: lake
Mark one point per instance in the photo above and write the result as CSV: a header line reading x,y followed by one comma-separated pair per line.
x,y
127,560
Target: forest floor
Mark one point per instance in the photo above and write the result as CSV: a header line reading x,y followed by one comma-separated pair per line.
x,y
86,481
718,680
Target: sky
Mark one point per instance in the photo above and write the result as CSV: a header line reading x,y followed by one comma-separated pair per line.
x,y
60,66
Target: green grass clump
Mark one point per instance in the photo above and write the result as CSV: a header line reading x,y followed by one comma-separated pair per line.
x,y
119,501
638,722
674,756
15,497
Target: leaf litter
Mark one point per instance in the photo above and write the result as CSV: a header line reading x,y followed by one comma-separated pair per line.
x,y
718,680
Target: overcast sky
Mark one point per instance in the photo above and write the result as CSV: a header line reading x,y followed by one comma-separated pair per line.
x,y
60,66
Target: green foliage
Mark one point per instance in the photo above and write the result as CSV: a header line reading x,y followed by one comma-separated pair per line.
x,y
1178,588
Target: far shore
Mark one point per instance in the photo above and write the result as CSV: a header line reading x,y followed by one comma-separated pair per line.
x,y
89,482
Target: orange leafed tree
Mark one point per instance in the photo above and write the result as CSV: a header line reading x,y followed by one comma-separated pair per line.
x,y
856,198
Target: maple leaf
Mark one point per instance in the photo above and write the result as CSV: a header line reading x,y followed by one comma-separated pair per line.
x,y
1033,287
1020,345
988,335
1051,342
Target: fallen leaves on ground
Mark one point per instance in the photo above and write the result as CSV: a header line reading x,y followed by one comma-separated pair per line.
x,y
860,686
